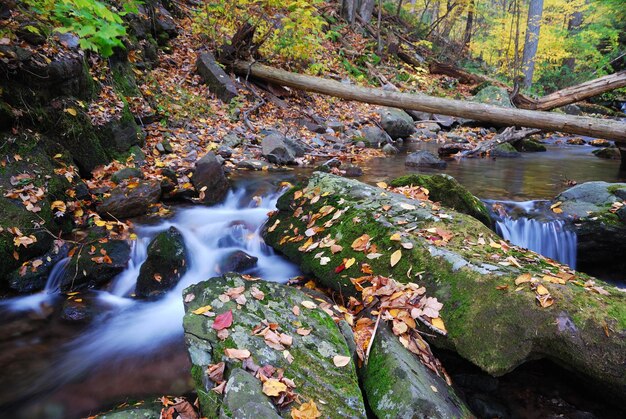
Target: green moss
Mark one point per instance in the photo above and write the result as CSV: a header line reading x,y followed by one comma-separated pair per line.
x,y
613,189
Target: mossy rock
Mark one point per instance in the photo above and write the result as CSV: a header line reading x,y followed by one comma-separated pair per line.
x,y
398,385
504,150
447,190
529,146
493,95
137,410
313,371
488,321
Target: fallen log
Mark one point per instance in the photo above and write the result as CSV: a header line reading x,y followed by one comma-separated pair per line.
x,y
592,127
509,135
573,94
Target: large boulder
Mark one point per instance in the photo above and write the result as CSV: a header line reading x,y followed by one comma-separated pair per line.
x,y
215,77
237,261
165,264
599,220
275,149
209,179
306,360
396,122
447,190
423,158
374,136
33,274
130,199
398,385
493,95
502,305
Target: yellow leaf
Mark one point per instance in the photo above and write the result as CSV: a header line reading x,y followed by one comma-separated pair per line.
x,y
541,290
554,279
438,323
522,278
71,111
309,304
306,411
273,387
382,185
395,237
341,361
202,310
349,262
395,257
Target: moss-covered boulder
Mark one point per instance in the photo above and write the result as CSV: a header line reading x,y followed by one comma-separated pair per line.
x,y
504,150
130,199
308,362
493,95
529,146
164,266
398,385
447,190
610,153
599,219
502,305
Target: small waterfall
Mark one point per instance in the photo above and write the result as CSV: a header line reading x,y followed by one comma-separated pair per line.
x,y
533,226
54,277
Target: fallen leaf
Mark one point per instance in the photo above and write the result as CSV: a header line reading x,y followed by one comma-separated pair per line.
x,y
438,323
341,361
201,310
223,321
306,411
309,304
382,185
240,354
273,387
395,257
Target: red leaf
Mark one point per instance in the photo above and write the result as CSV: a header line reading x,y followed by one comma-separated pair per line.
x,y
340,268
223,321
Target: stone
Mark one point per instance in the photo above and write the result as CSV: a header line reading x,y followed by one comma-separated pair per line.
x,y
164,147
611,153
495,329
215,77
252,164
33,274
352,170
164,266
449,192
76,311
126,173
429,126
390,150
312,369
493,95
275,149
130,199
445,121
231,140
141,410
297,146
244,398
529,146
336,126
396,123
224,151
237,261
88,269
504,150
571,109
398,385
424,158
599,142
209,179
374,136
576,141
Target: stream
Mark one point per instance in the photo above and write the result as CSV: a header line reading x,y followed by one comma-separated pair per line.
x,y
54,369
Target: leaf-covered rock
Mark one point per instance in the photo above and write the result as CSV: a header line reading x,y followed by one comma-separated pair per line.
x,y
308,361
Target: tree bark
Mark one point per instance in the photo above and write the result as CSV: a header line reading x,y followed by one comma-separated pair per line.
x,y
531,42
366,9
467,37
592,127
574,94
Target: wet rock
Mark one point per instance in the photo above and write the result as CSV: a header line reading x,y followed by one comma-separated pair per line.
x,y
447,190
244,398
529,146
252,164
130,199
611,153
429,126
493,95
465,279
336,126
231,140
398,385
141,410
599,142
76,311
504,150
352,170
389,150
448,150
312,369
576,141
126,173
486,406
237,261
209,179
164,147
33,274
89,267
455,138
396,123
165,264
424,158
164,22
276,150
296,146
446,121
571,109
359,145
139,157
224,151
215,77
374,136
170,174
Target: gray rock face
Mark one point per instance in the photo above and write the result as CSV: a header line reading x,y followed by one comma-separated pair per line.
x,y
424,158
238,261
275,149
252,164
312,369
126,202
126,173
231,140
494,95
215,77
374,136
396,122
390,150
209,179
244,398
165,264
398,385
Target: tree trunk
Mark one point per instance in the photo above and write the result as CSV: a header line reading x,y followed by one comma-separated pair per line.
x,y
574,94
349,10
592,127
573,27
467,37
366,9
531,42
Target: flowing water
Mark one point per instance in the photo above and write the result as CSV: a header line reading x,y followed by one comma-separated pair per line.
x,y
132,348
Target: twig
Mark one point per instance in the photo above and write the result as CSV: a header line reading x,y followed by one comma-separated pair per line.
x,y
369,346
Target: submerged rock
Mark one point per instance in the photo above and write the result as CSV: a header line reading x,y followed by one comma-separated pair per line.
x,y
488,322
396,122
165,264
424,158
130,200
398,385
312,369
505,150
445,189
611,153
238,261
209,179
529,146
